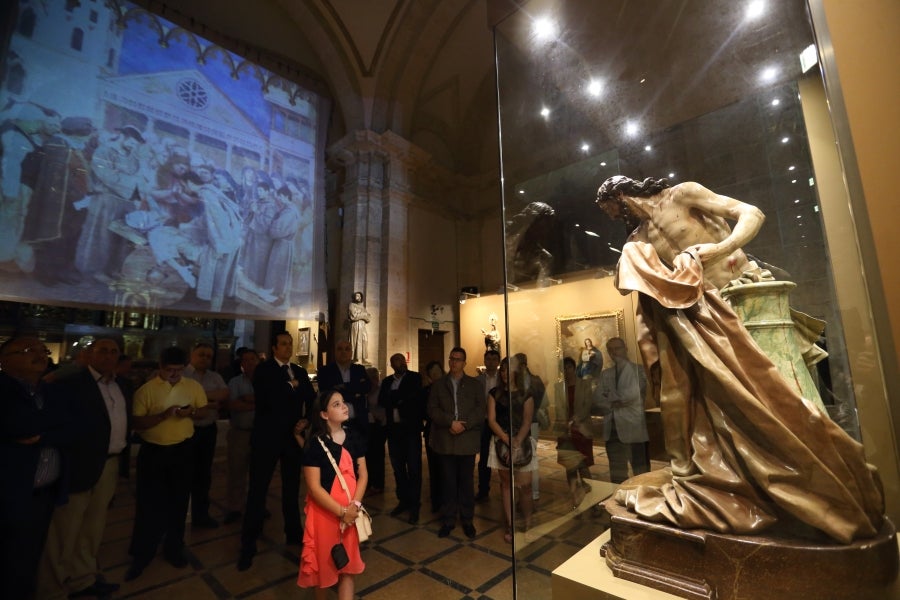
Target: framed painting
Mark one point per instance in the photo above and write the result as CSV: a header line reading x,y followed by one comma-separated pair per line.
x,y
583,338
303,342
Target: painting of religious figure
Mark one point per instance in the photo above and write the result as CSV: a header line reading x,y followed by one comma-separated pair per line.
x,y
583,338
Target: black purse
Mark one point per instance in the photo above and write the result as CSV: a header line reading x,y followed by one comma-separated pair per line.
x,y
339,555
519,457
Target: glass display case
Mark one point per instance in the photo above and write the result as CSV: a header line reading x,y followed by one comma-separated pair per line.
x,y
714,98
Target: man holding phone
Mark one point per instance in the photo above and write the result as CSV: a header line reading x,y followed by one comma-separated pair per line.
x,y
164,412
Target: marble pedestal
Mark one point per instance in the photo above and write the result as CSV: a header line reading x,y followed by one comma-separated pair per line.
x,y
764,308
699,564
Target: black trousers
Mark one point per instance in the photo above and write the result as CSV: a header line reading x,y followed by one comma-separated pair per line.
x,y
405,450
22,540
163,483
262,467
458,487
375,455
434,477
204,452
484,472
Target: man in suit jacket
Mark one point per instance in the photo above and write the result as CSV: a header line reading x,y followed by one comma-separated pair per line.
x,y
353,383
34,425
620,397
400,395
69,564
457,407
284,399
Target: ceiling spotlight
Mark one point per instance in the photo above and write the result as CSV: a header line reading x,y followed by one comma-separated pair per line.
x,y
544,28
791,168
755,10
468,292
648,148
768,74
585,147
594,88
603,164
545,112
776,102
631,128
784,140
521,191
671,175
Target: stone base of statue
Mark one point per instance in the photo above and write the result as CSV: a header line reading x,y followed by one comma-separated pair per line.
x,y
703,564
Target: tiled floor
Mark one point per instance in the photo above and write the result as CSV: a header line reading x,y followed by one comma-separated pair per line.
x,y
402,561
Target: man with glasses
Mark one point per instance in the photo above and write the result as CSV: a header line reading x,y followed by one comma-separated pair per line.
x,y
34,424
456,406
69,565
163,414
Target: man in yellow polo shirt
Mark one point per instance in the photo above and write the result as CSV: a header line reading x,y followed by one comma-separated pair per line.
x,y
164,411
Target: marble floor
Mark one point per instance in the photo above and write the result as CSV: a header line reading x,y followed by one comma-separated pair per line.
x,y
402,561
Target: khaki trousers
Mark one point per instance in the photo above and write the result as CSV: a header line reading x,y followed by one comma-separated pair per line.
x,y
69,563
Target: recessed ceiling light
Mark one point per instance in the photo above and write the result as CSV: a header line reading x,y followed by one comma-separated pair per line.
x,y
603,164
590,233
545,112
797,201
671,175
755,10
594,87
784,140
631,128
793,181
585,147
544,28
648,148
521,191
768,74
776,102
791,168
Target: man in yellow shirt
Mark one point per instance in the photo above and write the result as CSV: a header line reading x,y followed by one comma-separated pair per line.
x,y
164,412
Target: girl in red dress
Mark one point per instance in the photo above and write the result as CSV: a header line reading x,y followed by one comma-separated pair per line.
x,y
329,512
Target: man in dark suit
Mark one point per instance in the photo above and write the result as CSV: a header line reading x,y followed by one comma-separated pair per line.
x,y
456,406
284,398
401,397
34,425
353,383
69,564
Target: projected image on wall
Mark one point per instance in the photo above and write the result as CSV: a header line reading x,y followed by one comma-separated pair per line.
x,y
145,167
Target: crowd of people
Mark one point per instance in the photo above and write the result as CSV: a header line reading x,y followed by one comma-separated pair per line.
x,y
68,434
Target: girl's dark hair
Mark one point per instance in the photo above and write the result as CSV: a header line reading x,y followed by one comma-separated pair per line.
x,y
318,425
569,361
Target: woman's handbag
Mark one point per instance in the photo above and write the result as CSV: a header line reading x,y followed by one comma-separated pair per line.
x,y
519,457
363,520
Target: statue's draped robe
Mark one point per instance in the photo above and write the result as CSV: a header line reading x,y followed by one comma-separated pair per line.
x,y
747,451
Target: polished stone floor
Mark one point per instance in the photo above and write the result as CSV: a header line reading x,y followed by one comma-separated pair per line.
x,y
402,561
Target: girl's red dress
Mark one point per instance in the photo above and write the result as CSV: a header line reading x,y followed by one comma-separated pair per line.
x,y
322,528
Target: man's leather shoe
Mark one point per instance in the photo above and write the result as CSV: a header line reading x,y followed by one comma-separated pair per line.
x,y
399,510
98,588
231,517
445,531
206,522
246,559
413,517
177,560
134,571
469,530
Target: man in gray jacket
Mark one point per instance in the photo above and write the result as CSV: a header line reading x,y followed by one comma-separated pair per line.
x,y
456,407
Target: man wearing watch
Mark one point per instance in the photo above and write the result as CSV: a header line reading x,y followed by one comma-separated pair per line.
x,y
164,412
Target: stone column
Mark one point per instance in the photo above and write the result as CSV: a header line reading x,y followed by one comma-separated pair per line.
x,y
374,250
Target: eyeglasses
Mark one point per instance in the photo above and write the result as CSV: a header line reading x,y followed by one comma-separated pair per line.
x,y
33,350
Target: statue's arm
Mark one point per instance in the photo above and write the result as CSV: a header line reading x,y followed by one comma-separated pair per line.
x,y
747,219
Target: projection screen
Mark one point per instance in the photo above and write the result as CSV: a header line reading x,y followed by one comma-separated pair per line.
x,y
146,168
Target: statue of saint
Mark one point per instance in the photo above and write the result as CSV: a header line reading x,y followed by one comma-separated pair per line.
x,y
492,337
747,451
359,336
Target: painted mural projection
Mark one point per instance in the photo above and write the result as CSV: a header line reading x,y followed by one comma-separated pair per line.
x,y
144,167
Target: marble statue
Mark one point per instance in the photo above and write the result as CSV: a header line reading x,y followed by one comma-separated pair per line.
x,y
748,452
359,335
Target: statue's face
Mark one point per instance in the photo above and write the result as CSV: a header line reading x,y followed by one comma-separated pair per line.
x,y
357,297
613,207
